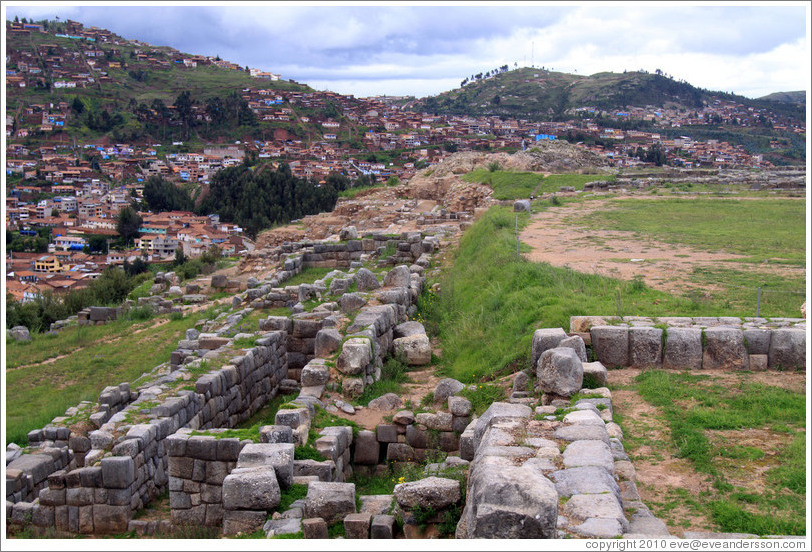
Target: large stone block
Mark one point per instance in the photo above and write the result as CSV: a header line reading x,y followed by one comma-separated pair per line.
x,y
330,501
118,472
582,480
724,349
243,521
582,507
110,519
447,387
509,503
498,412
325,470
278,456
683,349
415,350
611,345
251,489
440,421
366,280
39,466
315,528
328,340
400,452
645,347
787,349
576,343
560,372
315,374
400,276
757,341
367,448
356,526
383,527
589,453
408,328
544,339
356,354
276,434
431,492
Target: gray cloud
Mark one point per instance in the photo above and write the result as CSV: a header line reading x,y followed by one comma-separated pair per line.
x,y
436,43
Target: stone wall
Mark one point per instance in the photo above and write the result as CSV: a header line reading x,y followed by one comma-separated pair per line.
x,y
544,477
408,247
94,316
198,464
727,343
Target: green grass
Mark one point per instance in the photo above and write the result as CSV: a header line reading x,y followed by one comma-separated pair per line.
x,y
506,184
245,342
482,397
771,229
293,493
554,182
141,290
738,290
694,407
267,414
308,276
393,376
95,357
351,193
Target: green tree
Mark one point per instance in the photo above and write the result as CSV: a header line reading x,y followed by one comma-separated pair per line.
x,y
97,243
77,106
183,107
128,222
180,257
162,195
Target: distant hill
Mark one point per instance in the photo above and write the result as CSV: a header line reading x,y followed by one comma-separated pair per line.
x,y
797,97
127,89
538,94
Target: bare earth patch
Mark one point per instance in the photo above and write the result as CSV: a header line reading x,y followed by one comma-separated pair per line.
x,y
556,238
663,479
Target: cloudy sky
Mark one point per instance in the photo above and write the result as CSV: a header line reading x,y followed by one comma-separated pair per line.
x,y
425,48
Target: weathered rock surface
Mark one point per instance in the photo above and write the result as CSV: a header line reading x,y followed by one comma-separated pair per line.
x,y
560,372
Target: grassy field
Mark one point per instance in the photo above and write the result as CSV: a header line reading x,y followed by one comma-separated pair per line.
x,y
765,229
765,232
756,486
520,185
505,184
492,301
81,361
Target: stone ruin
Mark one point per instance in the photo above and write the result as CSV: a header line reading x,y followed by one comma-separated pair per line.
x,y
519,470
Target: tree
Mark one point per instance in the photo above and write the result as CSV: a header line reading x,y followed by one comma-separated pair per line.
x,y
656,155
97,243
183,107
128,222
78,106
162,195
180,257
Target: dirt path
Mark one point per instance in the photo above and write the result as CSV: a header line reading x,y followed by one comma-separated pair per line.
x,y
556,238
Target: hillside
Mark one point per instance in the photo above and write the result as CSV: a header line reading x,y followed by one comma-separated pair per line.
x,y
131,88
796,97
538,94
124,70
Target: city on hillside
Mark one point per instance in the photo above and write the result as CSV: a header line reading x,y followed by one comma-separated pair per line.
x,y
64,194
